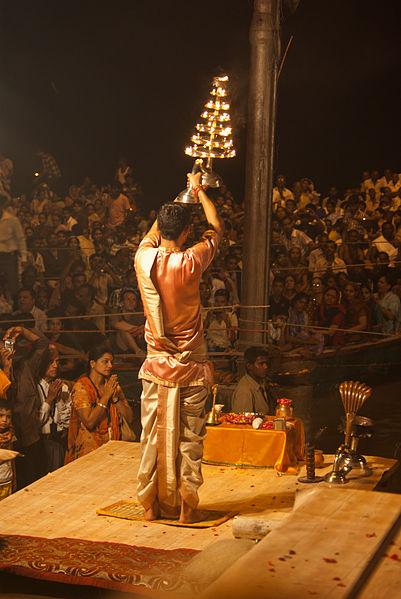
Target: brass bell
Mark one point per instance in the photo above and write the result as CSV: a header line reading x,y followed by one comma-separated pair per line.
x,y
213,419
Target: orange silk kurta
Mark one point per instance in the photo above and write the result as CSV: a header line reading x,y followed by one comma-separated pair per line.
x,y
169,284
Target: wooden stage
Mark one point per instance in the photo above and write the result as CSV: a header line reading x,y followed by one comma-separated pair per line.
x,y
64,502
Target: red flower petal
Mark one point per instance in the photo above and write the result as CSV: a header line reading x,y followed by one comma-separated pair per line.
x,y
330,560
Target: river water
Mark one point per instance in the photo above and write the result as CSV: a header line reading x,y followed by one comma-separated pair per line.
x,y
383,407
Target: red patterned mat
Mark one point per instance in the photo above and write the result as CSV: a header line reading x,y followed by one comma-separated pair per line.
x,y
107,565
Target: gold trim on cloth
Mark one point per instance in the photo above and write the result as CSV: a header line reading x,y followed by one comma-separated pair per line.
x,y
171,385
167,423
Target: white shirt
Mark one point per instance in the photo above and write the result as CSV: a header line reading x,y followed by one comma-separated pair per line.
x,y
394,186
384,183
62,409
70,223
280,199
322,265
368,183
297,238
40,318
383,245
12,237
6,473
314,257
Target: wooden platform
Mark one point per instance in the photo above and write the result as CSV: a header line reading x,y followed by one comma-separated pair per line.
x,y
64,503
326,548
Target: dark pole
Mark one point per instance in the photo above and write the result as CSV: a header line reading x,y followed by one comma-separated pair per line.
x,y
265,50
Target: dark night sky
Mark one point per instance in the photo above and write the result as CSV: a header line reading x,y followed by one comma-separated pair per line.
x,y
92,80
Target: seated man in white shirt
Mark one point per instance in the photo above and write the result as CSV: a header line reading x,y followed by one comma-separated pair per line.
x,y
317,253
255,392
291,237
221,324
329,263
384,243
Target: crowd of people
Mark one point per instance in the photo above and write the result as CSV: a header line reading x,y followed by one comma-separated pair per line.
x,y
69,299
336,269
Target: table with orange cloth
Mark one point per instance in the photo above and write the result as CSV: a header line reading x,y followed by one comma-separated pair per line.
x,y
243,446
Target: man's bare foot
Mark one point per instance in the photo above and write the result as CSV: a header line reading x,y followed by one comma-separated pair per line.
x,y
191,515
153,513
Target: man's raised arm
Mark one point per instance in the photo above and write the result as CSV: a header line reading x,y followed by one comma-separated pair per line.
x,y
209,208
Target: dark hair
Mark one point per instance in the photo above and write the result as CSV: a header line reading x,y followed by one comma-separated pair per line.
x,y
172,219
30,291
49,356
253,353
279,280
97,352
299,296
332,289
55,313
3,200
76,229
73,301
386,275
128,290
5,404
91,289
366,286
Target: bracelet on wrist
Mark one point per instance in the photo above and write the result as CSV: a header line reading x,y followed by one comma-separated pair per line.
x,y
197,189
101,405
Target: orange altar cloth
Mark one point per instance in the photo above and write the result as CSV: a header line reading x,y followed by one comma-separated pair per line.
x,y
241,445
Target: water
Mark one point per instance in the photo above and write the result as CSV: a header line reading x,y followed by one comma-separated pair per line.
x,y
383,407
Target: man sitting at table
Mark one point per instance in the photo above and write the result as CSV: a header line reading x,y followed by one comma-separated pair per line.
x,y
255,392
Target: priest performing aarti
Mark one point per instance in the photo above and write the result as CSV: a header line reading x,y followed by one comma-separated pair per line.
x,y
175,374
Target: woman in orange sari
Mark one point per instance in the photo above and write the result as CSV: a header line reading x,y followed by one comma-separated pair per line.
x,y
98,407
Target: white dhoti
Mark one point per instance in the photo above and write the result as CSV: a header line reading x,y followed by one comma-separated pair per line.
x,y
173,430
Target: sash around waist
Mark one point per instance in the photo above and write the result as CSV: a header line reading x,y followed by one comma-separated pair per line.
x,y
197,355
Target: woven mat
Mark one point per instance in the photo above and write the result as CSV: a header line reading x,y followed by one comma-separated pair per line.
x,y
132,510
108,565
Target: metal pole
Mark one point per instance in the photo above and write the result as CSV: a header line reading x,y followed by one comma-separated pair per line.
x,y
264,39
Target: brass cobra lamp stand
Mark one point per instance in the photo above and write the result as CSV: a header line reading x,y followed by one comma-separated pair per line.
x,y
213,419
353,395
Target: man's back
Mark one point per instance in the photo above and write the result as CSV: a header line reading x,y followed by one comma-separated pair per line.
x,y
176,276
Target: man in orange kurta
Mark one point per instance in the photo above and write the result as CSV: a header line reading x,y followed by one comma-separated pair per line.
x,y
175,373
